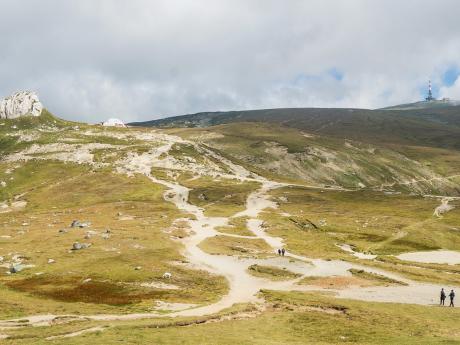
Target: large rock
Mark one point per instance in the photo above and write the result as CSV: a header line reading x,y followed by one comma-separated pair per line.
x,y
20,104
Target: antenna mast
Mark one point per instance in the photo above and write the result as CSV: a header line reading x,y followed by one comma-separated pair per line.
x,y
430,93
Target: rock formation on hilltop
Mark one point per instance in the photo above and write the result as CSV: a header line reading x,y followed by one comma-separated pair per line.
x,y
20,104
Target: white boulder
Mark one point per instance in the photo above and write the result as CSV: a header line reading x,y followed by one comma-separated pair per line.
x,y
19,104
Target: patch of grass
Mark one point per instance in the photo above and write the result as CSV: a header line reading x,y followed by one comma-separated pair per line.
x,y
227,245
271,272
335,282
236,226
430,273
292,318
219,197
374,277
371,222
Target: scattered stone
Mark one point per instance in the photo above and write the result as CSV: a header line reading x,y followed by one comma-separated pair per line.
x,y
16,268
78,224
167,275
126,217
63,231
19,204
51,261
18,258
105,236
202,196
87,280
3,183
79,246
138,268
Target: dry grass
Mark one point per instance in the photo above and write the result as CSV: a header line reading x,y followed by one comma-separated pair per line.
x,y
271,272
227,245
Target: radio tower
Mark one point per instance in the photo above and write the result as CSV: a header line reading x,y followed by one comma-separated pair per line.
x,y
430,94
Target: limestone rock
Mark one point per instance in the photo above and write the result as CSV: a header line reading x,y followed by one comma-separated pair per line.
x,y
19,104
79,246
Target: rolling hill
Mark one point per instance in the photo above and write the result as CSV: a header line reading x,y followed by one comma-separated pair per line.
x,y
435,127
118,234
415,150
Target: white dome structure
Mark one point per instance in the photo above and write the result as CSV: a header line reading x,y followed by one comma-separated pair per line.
x,y
114,123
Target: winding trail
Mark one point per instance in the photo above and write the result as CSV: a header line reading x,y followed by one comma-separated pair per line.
x,y
243,287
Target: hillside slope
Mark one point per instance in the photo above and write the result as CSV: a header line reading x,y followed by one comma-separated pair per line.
x,y
435,127
133,233
289,154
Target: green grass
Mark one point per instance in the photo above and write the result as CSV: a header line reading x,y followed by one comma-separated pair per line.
x,y
271,272
219,197
369,221
287,154
374,277
143,233
236,226
58,193
291,318
227,245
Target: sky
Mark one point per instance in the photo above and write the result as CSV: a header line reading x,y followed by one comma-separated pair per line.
x,y
146,59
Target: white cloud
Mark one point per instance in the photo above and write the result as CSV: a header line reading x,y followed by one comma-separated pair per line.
x,y
142,59
452,91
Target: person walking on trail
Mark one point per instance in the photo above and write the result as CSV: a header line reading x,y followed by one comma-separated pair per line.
x,y
443,297
451,296
279,252
283,251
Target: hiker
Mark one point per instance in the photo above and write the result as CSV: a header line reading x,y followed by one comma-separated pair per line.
x,y
443,297
283,251
451,296
279,252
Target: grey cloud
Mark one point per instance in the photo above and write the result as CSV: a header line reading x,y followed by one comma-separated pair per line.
x,y
142,59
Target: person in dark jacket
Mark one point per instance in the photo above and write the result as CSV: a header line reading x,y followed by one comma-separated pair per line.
x,y
443,297
283,251
451,296
279,252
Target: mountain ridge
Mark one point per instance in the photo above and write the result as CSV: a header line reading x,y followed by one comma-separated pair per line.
x,y
439,127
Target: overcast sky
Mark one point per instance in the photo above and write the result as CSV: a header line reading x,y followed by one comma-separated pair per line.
x,y
145,59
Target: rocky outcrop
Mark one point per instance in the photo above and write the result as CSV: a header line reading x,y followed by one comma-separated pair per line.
x,y
20,104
